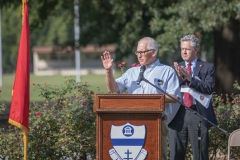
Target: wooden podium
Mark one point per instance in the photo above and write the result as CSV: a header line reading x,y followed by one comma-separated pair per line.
x,y
123,109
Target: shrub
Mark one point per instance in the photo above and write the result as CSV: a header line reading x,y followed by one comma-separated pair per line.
x,y
60,127
227,109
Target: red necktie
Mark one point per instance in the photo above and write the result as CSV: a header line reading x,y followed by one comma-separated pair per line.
x,y
188,99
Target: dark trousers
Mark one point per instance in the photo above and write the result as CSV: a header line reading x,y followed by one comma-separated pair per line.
x,y
185,124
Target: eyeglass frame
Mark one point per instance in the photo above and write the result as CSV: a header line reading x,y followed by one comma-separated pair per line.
x,y
187,49
142,53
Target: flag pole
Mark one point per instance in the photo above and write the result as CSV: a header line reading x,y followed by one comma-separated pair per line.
x,y
77,42
25,143
25,132
1,70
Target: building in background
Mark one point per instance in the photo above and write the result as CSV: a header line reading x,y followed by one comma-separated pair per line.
x,y
54,60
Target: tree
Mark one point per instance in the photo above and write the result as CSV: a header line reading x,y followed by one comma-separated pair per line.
x,y
51,23
55,33
209,19
125,22
11,29
227,55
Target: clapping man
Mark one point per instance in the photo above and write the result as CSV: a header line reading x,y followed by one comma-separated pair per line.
x,y
199,76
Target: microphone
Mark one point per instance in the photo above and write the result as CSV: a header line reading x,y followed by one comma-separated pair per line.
x,y
140,77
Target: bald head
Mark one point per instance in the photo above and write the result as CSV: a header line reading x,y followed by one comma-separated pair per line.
x,y
150,42
146,51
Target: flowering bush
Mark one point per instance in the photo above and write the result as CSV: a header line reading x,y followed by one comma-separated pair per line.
x,y
122,66
227,109
60,127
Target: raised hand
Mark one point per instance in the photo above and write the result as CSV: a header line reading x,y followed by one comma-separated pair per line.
x,y
107,60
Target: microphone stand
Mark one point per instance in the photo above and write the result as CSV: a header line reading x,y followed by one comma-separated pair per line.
x,y
199,139
194,112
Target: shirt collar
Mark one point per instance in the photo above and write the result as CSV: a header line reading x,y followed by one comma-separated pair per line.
x,y
155,63
194,62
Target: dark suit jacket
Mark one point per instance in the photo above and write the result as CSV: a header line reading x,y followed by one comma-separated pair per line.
x,y
206,73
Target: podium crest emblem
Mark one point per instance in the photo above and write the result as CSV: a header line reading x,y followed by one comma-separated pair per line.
x,y
128,141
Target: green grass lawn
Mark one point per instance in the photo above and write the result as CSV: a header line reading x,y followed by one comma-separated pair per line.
x,y
97,83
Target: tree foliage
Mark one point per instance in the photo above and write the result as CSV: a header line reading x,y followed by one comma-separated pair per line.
x,y
124,22
216,23
190,16
10,38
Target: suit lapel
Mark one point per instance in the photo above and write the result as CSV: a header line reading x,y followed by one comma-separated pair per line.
x,y
199,65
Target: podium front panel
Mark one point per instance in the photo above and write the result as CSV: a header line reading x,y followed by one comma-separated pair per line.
x,y
152,123
128,126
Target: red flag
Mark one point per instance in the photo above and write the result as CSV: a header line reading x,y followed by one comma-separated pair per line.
x,y
19,111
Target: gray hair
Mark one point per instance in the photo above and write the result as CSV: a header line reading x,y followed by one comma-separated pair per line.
x,y
190,37
152,44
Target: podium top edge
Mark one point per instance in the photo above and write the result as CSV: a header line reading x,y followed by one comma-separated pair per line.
x,y
129,95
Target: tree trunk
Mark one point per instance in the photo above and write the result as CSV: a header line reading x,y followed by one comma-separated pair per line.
x,y
227,57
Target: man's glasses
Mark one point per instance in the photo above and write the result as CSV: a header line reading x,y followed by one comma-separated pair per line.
x,y
186,49
142,53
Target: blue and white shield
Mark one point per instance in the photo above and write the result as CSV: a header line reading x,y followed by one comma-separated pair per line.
x,y
128,141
